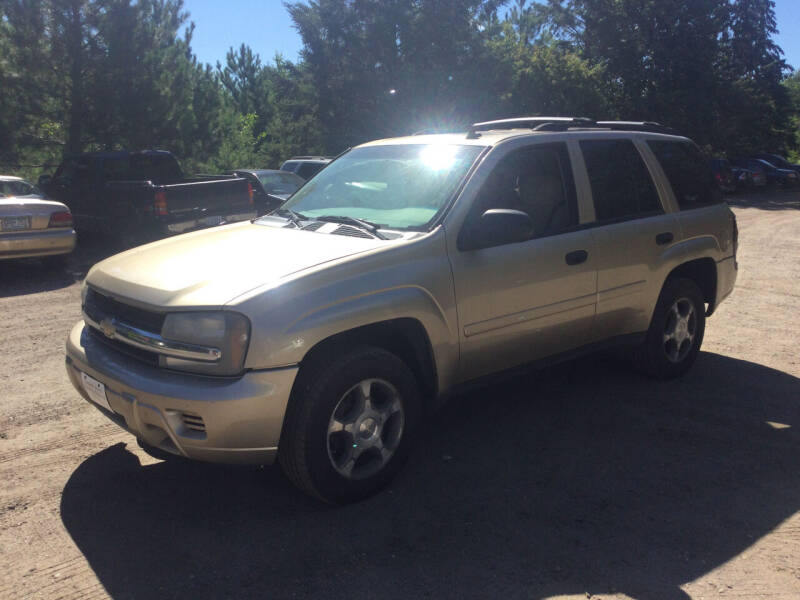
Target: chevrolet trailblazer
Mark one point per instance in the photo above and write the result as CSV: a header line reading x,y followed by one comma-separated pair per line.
x,y
405,268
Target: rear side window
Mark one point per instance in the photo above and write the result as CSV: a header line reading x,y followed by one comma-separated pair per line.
x,y
691,180
621,184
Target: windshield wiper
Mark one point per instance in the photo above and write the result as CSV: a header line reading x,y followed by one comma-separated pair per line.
x,y
368,226
294,217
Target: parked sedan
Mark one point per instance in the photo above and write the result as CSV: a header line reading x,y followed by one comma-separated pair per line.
x,y
778,161
270,187
775,176
31,225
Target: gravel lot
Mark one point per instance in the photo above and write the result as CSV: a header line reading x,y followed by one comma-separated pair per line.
x,y
583,480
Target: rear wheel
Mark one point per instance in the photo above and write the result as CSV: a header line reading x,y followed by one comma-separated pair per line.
x,y
676,331
350,425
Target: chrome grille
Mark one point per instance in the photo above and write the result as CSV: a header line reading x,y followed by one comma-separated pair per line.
x,y
151,358
99,306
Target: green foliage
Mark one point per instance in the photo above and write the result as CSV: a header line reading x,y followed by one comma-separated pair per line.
x,y
79,75
792,85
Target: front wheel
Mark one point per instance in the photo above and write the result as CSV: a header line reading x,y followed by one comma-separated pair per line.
x,y
350,425
676,330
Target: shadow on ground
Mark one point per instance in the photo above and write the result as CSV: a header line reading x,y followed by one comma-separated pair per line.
x,y
767,200
23,276
583,478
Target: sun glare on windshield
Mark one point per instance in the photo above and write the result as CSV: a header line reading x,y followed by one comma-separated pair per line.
x,y
438,156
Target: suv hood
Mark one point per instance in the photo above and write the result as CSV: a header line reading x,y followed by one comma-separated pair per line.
x,y
212,267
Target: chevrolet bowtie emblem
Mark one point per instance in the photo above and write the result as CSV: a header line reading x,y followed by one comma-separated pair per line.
x,y
107,327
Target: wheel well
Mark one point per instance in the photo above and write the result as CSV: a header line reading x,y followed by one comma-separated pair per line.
x,y
405,337
703,271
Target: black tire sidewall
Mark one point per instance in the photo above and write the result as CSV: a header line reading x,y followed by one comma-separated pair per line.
x,y
322,398
673,290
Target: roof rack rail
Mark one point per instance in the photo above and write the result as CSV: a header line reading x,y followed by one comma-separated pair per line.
x,y
537,123
651,126
310,158
563,124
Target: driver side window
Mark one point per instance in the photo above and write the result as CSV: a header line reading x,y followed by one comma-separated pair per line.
x,y
536,180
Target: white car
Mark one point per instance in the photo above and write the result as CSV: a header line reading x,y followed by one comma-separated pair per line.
x,y
31,225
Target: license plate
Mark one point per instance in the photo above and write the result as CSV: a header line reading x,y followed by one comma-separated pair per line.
x,y
15,223
96,391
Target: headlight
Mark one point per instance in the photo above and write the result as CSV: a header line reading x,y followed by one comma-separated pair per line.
x,y
227,332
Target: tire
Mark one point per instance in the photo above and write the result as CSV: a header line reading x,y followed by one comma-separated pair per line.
x,y
669,350
350,424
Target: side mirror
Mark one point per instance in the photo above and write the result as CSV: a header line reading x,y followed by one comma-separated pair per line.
x,y
497,227
44,180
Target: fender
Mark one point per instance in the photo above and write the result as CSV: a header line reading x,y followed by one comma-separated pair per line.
x,y
290,345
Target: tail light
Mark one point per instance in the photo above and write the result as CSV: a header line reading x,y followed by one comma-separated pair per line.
x,y
60,219
718,176
250,193
160,203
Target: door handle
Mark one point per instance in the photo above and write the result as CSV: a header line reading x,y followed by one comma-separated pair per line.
x,y
576,257
664,238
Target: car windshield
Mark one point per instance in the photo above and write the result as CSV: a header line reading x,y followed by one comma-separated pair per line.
x,y
397,187
18,188
280,183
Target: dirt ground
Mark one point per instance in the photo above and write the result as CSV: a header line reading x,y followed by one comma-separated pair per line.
x,y
585,480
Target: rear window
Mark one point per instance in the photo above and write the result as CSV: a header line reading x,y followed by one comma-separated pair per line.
x,y
18,188
138,167
308,170
691,180
621,184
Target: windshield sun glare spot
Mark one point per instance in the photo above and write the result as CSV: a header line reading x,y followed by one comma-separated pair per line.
x,y
438,157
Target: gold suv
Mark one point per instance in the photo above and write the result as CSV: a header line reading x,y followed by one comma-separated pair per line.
x,y
321,333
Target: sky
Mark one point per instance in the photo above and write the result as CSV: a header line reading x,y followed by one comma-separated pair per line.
x,y
265,26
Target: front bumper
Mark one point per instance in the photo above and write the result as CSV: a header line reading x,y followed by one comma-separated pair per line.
x,y
44,242
223,420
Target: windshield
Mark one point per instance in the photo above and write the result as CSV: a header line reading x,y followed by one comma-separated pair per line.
x,y
280,183
397,187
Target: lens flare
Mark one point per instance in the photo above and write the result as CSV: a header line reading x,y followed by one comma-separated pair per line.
x,y
438,157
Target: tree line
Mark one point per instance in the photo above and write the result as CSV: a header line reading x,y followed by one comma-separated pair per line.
x,y
79,75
